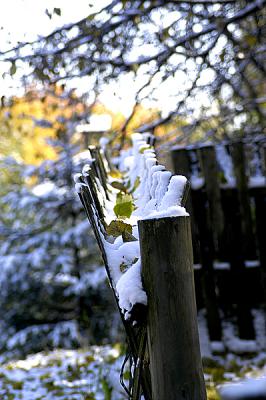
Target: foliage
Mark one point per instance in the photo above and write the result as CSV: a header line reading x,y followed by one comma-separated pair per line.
x,y
52,287
207,53
124,205
118,227
28,121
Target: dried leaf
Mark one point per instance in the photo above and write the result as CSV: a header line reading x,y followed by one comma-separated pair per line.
x,y
118,227
119,186
128,237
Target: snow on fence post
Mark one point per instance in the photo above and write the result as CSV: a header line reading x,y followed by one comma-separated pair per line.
x,y
173,341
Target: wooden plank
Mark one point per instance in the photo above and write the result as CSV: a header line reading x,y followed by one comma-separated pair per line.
x,y
207,259
87,202
260,212
202,245
264,159
238,155
173,342
243,244
227,285
209,165
134,334
106,157
181,166
239,278
101,172
92,186
100,155
180,161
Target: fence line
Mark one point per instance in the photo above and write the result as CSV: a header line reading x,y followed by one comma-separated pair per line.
x,y
179,365
227,205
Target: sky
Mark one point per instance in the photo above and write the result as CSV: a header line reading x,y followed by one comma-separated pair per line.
x,y
24,20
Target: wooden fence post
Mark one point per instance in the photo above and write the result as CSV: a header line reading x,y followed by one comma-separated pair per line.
x,y
173,341
248,237
181,166
260,212
203,243
212,186
180,161
243,242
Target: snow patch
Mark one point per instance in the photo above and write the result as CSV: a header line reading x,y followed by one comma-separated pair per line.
x,y
251,388
129,289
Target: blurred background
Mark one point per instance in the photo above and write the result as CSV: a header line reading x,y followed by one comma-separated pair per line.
x,y
191,72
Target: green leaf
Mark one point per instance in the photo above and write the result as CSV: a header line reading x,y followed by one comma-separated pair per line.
x,y
124,205
123,209
118,227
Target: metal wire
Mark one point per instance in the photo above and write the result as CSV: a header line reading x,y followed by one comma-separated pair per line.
x,y
128,356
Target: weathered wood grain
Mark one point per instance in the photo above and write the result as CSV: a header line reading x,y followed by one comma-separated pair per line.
x,y
173,342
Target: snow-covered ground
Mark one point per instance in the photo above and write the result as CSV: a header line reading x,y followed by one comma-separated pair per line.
x,y
94,374
89,374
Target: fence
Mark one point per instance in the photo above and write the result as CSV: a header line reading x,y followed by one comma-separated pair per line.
x,y
163,337
227,204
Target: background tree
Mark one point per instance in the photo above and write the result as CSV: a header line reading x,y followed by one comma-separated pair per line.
x,y
28,121
52,286
210,53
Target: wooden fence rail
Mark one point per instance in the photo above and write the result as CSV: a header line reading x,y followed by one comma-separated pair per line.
x,y
227,205
169,367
